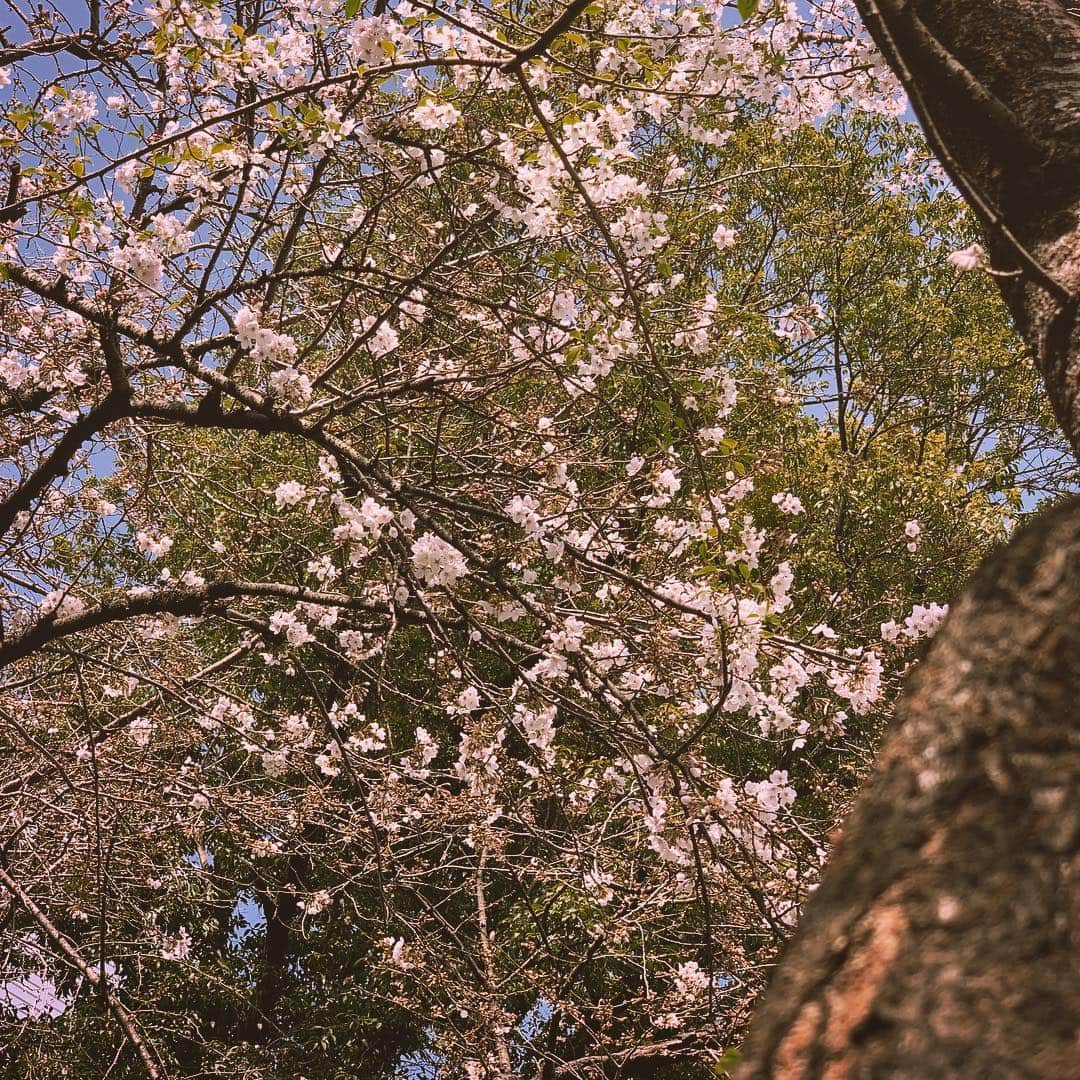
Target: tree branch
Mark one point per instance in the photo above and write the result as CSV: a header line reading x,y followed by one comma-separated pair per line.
x,y
196,600
547,37
92,976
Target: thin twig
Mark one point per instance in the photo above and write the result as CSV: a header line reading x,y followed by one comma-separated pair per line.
x,y
94,978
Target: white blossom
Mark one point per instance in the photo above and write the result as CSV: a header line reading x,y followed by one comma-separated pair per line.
x,y
969,258
436,562
289,493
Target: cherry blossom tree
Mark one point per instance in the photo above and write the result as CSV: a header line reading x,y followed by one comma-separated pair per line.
x,y
438,447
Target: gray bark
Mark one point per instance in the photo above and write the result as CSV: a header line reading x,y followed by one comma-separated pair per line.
x,y
944,940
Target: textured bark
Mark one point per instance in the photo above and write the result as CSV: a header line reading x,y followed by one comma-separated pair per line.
x,y
996,84
944,940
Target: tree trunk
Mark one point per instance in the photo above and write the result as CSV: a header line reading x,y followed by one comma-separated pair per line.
x,y
944,940
996,84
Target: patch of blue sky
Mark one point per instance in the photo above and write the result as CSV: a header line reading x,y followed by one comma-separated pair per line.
x,y
33,996
247,918
422,1064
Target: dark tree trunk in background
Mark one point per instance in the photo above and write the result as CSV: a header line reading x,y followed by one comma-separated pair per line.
x,y
944,940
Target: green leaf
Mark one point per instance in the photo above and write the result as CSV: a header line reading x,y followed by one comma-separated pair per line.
x,y
748,7
20,117
729,1058
351,8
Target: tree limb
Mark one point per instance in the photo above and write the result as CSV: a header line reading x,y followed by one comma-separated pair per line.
x,y
92,975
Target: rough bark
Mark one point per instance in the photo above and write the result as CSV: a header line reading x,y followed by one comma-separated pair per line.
x,y
996,84
944,940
